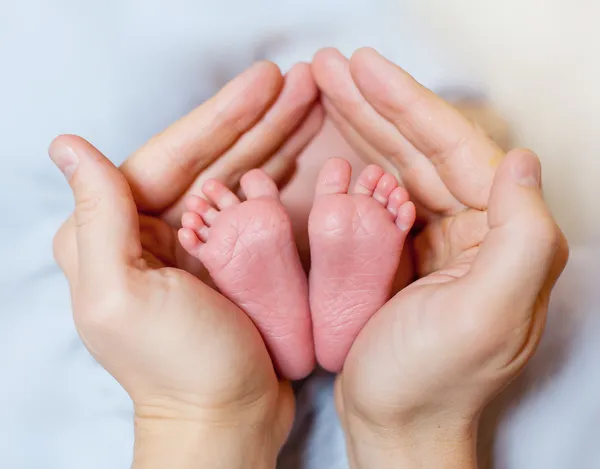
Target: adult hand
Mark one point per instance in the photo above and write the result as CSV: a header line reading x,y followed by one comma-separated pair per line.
x,y
486,257
259,119
197,370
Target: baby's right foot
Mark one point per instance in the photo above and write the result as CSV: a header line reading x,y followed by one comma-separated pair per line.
x,y
355,241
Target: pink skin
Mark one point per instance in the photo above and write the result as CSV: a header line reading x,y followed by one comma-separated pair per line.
x,y
248,248
356,241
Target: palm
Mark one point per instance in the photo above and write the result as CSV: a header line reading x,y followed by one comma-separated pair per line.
x,y
414,330
446,246
162,249
174,274
448,166
206,326
201,326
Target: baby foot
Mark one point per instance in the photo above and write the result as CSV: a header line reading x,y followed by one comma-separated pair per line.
x,y
248,248
355,241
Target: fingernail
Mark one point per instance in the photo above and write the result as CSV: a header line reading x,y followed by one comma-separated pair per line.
x,y
527,171
65,159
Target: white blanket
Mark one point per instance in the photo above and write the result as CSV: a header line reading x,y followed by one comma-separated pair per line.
x,y
117,72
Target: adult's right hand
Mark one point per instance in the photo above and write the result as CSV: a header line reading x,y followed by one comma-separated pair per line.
x,y
194,365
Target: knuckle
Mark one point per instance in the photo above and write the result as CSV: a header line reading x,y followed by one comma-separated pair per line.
x,y
87,210
231,119
459,147
564,250
544,233
176,154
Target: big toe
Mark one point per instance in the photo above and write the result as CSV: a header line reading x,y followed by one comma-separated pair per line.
x,y
334,177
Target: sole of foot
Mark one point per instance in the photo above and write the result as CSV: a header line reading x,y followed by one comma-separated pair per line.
x,y
248,248
356,240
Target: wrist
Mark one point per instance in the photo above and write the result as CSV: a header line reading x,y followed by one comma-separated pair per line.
x,y
424,445
189,444
181,435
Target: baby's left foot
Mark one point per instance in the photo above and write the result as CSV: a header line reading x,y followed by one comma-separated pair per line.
x,y
248,248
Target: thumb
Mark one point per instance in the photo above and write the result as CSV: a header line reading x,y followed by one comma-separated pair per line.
x,y
518,253
106,220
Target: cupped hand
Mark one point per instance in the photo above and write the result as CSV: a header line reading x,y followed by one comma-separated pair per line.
x,y
486,255
180,349
260,119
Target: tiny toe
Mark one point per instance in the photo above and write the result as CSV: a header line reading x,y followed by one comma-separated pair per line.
x,y
368,179
190,241
334,177
191,220
406,217
384,189
256,183
202,208
219,194
194,222
397,198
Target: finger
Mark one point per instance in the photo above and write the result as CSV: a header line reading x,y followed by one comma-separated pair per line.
x,y
283,163
260,143
158,242
107,227
517,255
429,203
362,147
483,115
419,176
464,157
161,171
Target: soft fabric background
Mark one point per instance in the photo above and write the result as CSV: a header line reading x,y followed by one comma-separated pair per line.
x,y
538,61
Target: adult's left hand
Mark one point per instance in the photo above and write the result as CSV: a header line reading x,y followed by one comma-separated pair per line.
x,y
487,255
